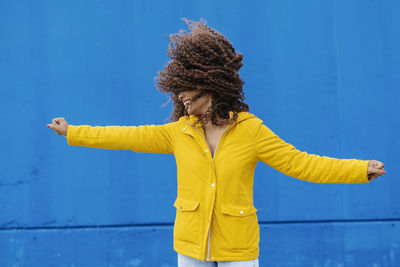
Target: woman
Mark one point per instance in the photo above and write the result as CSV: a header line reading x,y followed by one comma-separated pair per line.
x,y
217,144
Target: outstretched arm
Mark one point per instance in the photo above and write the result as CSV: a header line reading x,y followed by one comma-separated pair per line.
x,y
287,159
146,138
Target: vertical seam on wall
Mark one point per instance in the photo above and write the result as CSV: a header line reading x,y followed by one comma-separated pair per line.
x,y
338,93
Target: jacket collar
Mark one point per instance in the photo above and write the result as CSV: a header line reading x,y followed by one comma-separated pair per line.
x,y
241,117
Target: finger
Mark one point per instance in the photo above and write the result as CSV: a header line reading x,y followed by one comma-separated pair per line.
x,y
52,126
57,121
55,128
379,165
373,175
373,163
375,171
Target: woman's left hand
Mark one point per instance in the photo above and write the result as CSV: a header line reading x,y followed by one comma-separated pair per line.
x,y
375,169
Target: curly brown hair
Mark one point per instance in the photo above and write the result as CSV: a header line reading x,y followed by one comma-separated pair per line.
x,y
203,59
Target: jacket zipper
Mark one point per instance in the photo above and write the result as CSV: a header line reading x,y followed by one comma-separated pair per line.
x,y
208,243
213,156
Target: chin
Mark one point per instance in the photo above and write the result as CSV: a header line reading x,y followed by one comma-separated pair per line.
x,y
190,111
194,113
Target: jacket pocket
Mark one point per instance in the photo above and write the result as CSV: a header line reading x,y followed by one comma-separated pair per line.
x,y
239,211
239,226
187,220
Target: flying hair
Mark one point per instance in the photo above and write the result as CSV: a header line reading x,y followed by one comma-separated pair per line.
x,y
203,59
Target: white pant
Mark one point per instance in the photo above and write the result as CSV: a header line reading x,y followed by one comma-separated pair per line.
x,y
185,261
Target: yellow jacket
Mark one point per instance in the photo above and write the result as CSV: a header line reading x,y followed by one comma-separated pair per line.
x,y
215,216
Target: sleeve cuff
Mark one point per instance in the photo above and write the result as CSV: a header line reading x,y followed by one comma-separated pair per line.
x,y
365,171
71,133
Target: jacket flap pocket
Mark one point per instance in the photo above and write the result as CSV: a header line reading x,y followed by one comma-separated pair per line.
x,y
186,204
239,211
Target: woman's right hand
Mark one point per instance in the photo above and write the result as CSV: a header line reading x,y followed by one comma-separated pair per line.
x,y
59,125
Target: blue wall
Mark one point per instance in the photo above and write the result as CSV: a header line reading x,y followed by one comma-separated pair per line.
x,y
323,75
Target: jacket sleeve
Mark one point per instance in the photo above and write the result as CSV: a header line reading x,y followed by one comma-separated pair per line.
x,y
146,138
287,159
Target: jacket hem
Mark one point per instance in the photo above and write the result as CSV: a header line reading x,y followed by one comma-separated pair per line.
x,y
249,257
189,254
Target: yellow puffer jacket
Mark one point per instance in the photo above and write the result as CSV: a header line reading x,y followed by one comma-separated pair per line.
x,y
215,216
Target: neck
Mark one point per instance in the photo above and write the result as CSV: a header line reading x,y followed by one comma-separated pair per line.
x,y
210,126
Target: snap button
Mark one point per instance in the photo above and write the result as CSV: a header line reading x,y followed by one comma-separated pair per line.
x,y
181,207
212,257
206,150
212,184
183,129
241,212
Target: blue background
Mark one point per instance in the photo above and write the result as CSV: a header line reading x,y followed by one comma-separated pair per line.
x,y
323,75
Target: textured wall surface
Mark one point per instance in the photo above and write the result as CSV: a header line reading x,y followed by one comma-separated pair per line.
x,y
323,75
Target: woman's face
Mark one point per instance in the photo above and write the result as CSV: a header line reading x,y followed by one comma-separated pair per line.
x,y
197,107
